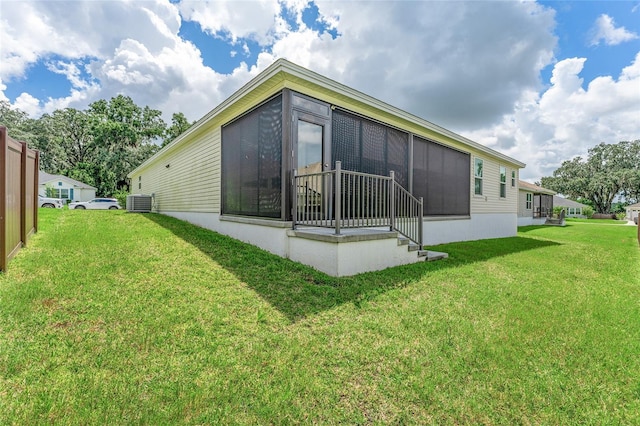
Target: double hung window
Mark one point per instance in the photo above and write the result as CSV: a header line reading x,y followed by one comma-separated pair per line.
x,y
477,173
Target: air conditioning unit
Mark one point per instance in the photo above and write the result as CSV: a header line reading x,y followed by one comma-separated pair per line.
x,y
139,203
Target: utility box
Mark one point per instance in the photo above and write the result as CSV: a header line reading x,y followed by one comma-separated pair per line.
x,y
139,203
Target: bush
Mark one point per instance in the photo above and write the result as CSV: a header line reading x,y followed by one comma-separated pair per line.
x,y
587,211
121,196
557,210
621,216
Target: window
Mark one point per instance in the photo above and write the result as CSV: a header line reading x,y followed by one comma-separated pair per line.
x,y
503,182
139,182
477,173
513,178
529,203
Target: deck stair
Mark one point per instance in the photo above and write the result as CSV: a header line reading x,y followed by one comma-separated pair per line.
x,y
429,256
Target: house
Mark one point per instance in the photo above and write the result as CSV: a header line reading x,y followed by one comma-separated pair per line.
x,y
535,204
313,170
571,208
633,211
63,187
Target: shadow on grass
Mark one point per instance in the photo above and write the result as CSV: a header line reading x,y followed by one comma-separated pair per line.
x,y
298,291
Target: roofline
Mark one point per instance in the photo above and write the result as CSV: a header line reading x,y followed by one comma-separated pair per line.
x,y
536,189
77,183
283,65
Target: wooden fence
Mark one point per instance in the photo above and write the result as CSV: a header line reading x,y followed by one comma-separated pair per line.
x,y
18,195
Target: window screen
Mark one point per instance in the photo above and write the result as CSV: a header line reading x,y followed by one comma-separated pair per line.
x,y
441,176
369,147
252,162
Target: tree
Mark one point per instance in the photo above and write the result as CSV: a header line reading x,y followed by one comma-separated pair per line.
x,y
125,135
71,130
99,145
609,170
179,124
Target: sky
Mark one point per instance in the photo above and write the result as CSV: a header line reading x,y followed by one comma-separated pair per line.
x,y
540,81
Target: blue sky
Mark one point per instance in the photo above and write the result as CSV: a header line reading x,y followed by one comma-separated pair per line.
x,y
539,81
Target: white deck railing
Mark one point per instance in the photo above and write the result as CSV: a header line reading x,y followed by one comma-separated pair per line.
x,y
341,199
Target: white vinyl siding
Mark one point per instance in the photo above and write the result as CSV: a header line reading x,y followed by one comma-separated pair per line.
x,y
525,204
191,182
491,201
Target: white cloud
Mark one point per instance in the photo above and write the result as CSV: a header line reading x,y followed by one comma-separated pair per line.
x,y
28,104
473,67
567,119
253,20
605,30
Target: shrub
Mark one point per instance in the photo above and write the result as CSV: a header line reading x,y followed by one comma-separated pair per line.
x,y
121,196
587,211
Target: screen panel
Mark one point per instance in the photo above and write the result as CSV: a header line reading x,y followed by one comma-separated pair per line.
x,y
441,175
252,162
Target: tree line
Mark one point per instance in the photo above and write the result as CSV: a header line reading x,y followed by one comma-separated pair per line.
x,y
609,171
98,145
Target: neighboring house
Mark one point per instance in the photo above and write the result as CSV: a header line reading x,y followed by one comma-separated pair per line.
x,y
571,208
633,211
234,170
535,204
65,188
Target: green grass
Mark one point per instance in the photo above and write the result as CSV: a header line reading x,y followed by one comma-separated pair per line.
x,y
110,317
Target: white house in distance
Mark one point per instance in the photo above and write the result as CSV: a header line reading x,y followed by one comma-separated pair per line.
x,y
535,204
633,211
65,188
300,165
571,208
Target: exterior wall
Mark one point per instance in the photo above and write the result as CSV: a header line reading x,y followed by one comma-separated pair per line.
x,y
633,212
523,211
529,221
350,258
186,179
477,227
335,259
84,194
490,200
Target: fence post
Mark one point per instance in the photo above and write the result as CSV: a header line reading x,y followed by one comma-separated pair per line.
x,y
294,203
3,198
337,202
392,201
36,181
23,193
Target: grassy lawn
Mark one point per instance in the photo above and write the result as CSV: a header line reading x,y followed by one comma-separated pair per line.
x,y
110,317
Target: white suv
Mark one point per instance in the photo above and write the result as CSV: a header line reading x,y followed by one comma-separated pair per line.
x,y
50,203
96,204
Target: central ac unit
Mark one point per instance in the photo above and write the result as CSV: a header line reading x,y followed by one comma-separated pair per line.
x,y
139,203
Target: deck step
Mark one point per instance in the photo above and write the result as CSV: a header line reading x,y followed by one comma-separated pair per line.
x,y
403,241
432,256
